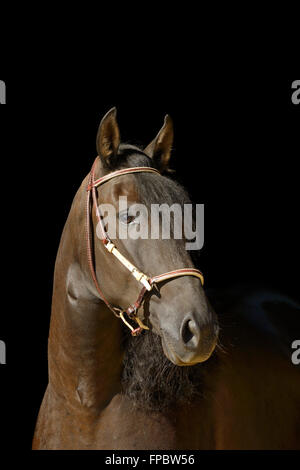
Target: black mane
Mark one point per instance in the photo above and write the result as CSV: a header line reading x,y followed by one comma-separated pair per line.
x,y
130,156
152,382
149,379
152,190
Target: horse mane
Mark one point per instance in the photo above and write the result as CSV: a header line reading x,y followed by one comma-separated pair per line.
x,y
149,379
152,382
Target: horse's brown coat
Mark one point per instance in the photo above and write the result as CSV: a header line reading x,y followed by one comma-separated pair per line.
x,y
250,393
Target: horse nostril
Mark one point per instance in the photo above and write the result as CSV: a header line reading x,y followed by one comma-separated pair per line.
x,y
188,330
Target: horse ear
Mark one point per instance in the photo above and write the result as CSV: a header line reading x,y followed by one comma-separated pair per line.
x,y
108,138
160,148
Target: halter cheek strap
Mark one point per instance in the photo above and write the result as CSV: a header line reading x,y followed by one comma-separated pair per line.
x,y
147,282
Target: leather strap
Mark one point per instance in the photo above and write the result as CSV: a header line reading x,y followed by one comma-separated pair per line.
x,y
89,245
125,171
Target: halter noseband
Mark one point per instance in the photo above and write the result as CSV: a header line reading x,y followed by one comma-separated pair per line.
x,y
147,282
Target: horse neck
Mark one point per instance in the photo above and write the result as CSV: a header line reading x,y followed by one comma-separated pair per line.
x,y
85,344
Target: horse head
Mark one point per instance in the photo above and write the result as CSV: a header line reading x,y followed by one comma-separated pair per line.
x,y
176,308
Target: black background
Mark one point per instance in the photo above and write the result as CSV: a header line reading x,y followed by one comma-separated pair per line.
x,y
236,150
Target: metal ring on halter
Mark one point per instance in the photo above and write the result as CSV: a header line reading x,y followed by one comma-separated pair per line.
x,y
117,311
137,320
133,313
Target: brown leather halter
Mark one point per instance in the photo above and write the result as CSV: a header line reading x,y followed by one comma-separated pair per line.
x,y
148,283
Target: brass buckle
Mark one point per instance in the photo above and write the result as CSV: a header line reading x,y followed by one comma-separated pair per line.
x,y
119,313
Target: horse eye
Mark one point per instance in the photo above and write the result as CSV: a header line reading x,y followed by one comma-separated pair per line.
x,y
127,219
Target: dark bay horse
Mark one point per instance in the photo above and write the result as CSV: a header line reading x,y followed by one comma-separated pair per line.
x,y
176,385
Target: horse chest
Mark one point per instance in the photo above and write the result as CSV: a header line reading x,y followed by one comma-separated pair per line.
x,y
122,427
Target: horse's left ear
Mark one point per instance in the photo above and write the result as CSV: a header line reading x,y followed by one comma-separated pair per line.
x,y
160,148
108,138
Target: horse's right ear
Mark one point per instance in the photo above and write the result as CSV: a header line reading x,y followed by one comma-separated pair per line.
x,y
108,138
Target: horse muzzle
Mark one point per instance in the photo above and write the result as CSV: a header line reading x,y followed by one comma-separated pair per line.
x,y
193,343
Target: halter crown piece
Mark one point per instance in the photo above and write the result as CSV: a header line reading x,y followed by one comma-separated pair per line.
x,y
147,282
